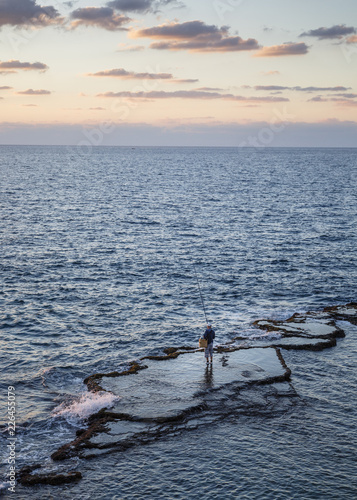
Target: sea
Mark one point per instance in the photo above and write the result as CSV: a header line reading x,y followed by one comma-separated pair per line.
x,y
102,252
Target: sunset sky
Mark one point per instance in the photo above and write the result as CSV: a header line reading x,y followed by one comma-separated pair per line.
x,y
146,72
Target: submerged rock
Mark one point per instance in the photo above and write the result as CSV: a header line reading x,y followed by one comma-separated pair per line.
x,y
347,312
311,331
314,330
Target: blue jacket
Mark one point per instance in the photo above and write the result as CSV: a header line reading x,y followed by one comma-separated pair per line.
x,y
209,335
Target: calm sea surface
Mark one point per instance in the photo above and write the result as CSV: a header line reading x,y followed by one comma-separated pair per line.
x,y
97,269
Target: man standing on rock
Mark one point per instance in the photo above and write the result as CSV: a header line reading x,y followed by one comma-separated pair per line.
x,y
209,335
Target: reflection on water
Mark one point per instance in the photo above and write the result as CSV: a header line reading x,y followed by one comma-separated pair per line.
x,y
208,376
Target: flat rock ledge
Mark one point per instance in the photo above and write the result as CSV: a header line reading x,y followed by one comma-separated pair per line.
x,y
109,431
313,330
154,412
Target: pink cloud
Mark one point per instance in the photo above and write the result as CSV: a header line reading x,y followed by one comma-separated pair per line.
x,y
34,92
286,49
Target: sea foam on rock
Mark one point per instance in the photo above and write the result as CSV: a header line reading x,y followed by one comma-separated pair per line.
x,y
83,406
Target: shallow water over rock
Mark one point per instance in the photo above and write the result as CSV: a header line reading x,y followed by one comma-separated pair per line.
x,y
168,387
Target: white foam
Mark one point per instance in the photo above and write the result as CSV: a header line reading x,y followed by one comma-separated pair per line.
x,y
256,334
85,405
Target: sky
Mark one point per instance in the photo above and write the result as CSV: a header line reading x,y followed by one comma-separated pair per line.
x,y
245,73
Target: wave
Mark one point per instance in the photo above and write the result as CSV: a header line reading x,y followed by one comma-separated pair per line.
x,y
84,406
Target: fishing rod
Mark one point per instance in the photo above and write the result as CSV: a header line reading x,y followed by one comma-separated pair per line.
x,y
199,288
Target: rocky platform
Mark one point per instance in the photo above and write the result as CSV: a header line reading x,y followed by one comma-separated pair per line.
x,y
161,396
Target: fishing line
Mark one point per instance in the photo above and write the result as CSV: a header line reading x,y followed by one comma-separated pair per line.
x,y
199,288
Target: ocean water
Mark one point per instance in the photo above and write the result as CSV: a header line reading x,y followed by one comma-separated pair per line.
x,y
98,253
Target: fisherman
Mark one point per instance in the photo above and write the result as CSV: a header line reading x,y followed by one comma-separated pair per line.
x,y
209,335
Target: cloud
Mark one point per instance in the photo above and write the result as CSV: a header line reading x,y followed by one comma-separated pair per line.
x,y
131,75
346,96
190,94
195,36
301,89
34,92
286,49
131,5
321,89
337,31
141,6
184,80
27,13
318,98
352,39
340,101
271,87
30,105
209,89
13,65
270,73
99,17
5,88
185,31
124,47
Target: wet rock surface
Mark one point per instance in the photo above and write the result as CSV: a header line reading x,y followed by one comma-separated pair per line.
x,y
163,396
26,478
168,394
92,382
169,387
344,313
311,331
